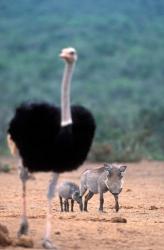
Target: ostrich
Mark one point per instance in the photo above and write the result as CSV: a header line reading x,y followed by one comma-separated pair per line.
x,y
49,138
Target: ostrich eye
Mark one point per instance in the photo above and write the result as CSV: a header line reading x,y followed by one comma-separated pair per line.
x,y
71,53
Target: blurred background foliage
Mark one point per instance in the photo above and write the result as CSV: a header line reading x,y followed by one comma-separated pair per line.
x,y
119,75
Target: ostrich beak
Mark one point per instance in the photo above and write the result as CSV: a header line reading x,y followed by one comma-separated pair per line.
x,y
63,55
66,57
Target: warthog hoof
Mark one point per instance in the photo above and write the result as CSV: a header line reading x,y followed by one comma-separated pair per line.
x,y
117,207
101,210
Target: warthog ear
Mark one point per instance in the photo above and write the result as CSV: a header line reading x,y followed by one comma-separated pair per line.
x,y
107,165
123,168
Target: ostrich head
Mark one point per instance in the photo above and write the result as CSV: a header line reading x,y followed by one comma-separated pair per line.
x,y
69,55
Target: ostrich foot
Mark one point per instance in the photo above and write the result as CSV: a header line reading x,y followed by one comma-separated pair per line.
x,y
23,228
47,244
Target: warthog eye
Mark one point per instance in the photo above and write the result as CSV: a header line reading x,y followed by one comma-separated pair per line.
x,y
109,173
120,175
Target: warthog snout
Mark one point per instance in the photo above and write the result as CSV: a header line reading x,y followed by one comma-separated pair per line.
x,y
117,192
114,178
78,198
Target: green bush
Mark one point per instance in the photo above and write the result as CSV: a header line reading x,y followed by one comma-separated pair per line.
x,y
119,73
5,168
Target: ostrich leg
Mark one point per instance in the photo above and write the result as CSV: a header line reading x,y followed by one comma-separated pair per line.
x,y
47,243
24,176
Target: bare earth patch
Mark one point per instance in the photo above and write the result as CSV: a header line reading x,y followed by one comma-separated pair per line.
x,y
142,207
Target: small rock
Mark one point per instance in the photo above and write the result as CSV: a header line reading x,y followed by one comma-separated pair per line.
x,y
118,220
128,190
4,236
57,233
4,229
24,241
128,207
153,208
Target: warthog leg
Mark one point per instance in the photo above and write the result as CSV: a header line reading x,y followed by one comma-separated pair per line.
x,y
101,202
116,203
66,205
61,203
72,205
87,198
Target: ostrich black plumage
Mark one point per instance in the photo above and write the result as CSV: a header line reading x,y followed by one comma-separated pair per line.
x,y
48,138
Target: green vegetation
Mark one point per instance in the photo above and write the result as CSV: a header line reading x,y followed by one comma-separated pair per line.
x,y
119,74
5,168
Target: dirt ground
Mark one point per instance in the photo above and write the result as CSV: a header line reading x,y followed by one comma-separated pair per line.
x,y
142,204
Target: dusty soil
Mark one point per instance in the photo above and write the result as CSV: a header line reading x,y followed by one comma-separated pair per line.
x,y
142,205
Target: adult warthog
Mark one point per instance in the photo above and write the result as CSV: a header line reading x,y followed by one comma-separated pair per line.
x,y
100,180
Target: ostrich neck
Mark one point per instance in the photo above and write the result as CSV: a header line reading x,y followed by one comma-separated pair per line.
x,y
66,117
